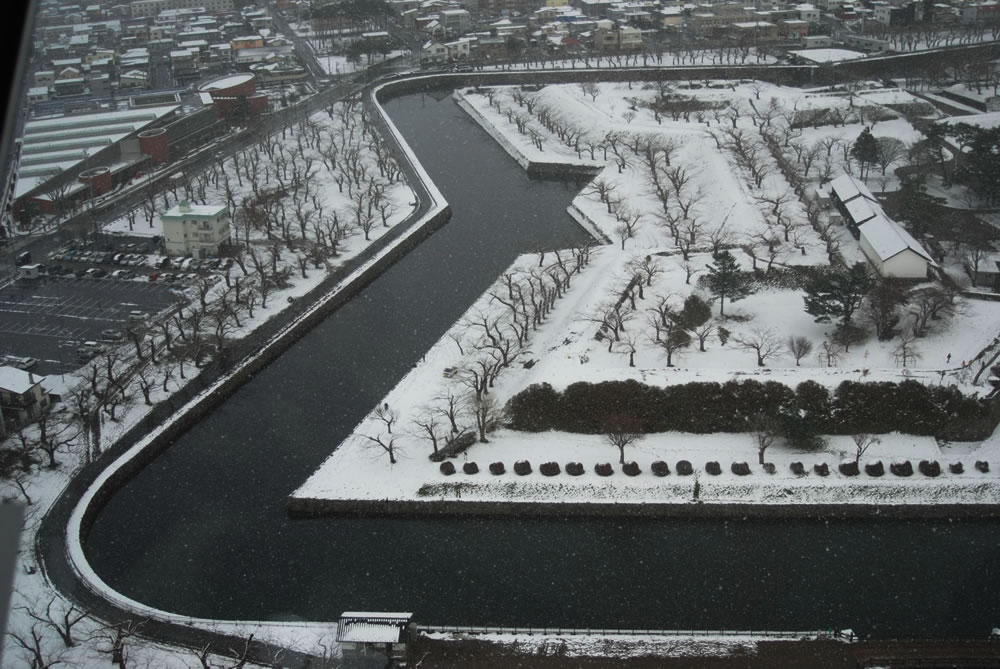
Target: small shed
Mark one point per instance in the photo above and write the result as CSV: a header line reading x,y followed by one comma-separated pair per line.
x,y
366,633
893,251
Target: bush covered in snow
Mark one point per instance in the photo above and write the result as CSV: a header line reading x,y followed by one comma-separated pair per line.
x,y
741,468
875,469
770,468
549,469
929,468
798,468
903,468
713,468
956,468
849,468
497,468
470,468
822,468
604,469
982,466
684,468
447,468
631,469
574,469
705,407
660,468
522,467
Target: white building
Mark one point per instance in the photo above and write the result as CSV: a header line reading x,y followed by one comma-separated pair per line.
x,y
892,250
22,398
154,7
197,230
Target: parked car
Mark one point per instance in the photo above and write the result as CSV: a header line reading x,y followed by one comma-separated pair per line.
x,y
112,335
122,274
96,273
137,316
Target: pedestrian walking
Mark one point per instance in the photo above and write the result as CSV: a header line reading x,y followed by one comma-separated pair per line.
x,y
948,359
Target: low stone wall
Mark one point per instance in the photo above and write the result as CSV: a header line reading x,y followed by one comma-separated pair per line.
x,y
306,508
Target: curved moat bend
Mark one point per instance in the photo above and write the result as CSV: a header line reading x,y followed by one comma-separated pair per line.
x,y
203,530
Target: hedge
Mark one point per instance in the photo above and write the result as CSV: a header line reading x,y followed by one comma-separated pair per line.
x,y
447,468
522,467
741,468
956,468
604,469
497,468
631,469
549,469
982,466
822,468
798,468
574,469
684,468
903,468
875,469
770,468
929,468
660,468
849,468
713,468
470,468
706,407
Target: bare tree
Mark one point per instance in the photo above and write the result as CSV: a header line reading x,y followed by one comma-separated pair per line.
x,y
763,342
427,426
862,442
906,352
799,347
34,648
487,412
59,616
765,430
621,433
387,416
380,443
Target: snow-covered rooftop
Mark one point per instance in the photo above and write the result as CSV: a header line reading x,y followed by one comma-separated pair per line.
x,y
17,381
847,188
185,209
887,238
827,55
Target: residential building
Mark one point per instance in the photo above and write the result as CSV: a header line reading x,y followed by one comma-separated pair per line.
x,y
154,7
196,230
22,398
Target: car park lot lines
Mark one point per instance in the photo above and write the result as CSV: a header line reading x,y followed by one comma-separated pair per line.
x,y
49,319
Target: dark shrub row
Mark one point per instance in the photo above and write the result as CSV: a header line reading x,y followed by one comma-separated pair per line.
x,y
704,407
929,468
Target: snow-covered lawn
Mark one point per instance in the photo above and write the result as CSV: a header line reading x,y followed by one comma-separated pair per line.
x,y
565,350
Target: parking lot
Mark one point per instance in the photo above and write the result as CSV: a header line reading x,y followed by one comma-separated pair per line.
x,y
50,318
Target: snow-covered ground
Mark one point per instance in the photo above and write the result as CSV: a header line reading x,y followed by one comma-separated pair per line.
x,y
565,350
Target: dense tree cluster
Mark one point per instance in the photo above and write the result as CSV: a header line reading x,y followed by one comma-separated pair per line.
x,y
799,414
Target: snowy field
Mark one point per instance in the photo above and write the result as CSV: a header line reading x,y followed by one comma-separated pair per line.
x,y
577,125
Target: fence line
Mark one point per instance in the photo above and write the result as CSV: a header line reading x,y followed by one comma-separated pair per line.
x,y
605,632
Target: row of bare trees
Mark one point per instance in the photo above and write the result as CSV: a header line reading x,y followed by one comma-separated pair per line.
x,y
489,340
